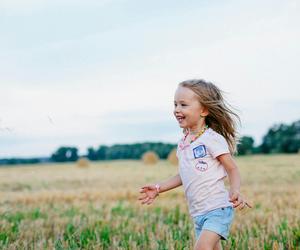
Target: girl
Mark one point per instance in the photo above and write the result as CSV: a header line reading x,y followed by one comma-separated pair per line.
x,y
205,159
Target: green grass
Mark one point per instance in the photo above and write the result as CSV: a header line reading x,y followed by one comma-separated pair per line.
x,y
118,228
97,208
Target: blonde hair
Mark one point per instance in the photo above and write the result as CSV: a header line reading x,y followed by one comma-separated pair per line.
x,y
220,116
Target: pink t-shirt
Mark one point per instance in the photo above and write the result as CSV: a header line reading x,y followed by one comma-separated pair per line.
x,y
202,174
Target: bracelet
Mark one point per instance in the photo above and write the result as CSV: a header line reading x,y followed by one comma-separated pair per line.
x,y
157,187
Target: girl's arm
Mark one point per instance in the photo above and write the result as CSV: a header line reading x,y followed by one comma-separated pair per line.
x,y
234,180
151,191
170,183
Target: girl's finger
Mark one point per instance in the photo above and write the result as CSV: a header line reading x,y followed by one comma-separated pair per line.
x,y
145,200
238,202
248,204
150,201
142,197
143,190
233,197
235,204
243,204
232,200
148,187
240,199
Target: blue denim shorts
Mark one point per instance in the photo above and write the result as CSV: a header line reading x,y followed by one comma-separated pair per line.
x,y
218,220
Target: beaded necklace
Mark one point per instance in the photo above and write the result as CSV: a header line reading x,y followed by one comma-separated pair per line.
x,y
198,134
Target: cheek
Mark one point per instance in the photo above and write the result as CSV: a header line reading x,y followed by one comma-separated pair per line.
x,y
188,113
193,116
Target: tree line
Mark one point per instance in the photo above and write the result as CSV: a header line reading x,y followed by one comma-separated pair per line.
x,y
280,138
114,152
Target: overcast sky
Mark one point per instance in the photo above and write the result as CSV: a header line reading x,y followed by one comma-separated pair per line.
x,y
85,73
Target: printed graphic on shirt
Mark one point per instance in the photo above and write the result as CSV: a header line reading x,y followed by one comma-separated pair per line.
x,y
201,166
199,151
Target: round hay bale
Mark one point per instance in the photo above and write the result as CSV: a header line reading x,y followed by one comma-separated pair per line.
x,y
172,158
83,162
150,158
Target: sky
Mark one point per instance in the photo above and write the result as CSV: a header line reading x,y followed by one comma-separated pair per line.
x,y
86,73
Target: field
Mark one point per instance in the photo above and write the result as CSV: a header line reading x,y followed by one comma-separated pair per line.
x,y
63,206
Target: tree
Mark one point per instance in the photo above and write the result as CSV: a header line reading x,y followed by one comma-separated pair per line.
x,y
92,154
245,145
65,154
102,153
282,138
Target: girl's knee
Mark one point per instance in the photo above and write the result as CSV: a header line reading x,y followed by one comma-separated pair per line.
x,y
218,246
208,241
205,246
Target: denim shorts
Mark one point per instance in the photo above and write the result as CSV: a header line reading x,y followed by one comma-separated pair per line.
x,y
218,220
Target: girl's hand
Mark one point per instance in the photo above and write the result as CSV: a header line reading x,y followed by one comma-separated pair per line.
x,y
149,193
238,201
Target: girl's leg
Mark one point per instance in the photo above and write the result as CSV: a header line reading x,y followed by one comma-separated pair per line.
x,y
218,246
208,240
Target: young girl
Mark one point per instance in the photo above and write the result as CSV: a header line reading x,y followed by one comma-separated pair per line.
x,y
205,159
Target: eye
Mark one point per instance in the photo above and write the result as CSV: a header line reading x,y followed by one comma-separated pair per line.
x,y
183,105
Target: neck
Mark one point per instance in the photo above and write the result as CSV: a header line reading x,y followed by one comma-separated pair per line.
x,y
197,128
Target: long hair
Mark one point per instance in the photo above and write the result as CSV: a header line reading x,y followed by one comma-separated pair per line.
x,y
220,116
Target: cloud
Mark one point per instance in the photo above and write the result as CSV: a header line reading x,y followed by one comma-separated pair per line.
x,y
105,75
19,6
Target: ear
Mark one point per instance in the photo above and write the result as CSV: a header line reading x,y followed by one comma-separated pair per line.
x,y
204,112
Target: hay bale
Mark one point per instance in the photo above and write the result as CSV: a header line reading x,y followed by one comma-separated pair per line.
x,y
83,162
172,158
150,158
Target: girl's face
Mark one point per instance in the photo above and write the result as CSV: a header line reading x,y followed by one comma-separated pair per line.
x,y
187,108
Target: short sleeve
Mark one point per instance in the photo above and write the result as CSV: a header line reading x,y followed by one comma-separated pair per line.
x,y
218,145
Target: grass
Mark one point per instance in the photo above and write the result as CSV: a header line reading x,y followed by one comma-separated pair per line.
x,y
62,206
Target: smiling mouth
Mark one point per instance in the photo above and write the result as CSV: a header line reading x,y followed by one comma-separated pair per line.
x,y
180,118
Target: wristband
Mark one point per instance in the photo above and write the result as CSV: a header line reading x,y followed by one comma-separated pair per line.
x,y
157,187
